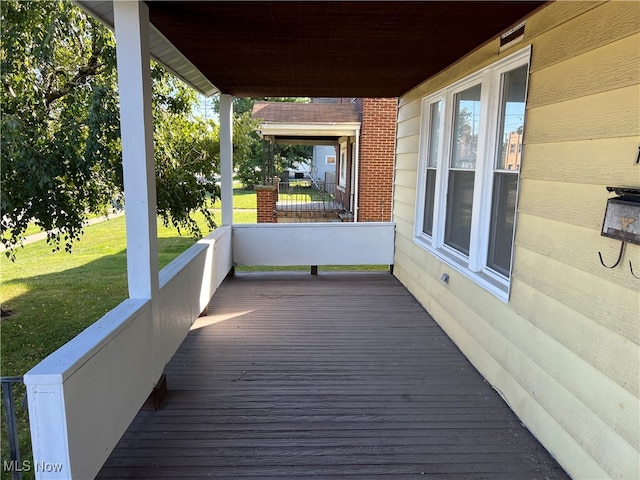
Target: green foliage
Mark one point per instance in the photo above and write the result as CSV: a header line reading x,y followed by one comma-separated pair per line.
x,y
58,106
187,155
60,151
247,149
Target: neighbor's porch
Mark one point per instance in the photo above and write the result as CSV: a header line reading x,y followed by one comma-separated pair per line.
x,y
339,375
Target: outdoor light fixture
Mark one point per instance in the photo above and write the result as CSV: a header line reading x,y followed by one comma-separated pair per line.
x,y
622,221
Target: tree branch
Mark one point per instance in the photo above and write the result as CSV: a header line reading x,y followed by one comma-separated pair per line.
x,y
92,68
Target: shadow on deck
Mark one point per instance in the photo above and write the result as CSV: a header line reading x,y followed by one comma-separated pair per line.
x,y
340,375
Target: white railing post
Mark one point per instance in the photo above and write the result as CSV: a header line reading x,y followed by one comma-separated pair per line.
x,y
226,157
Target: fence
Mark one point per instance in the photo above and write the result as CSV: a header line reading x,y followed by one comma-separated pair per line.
x,y
306,200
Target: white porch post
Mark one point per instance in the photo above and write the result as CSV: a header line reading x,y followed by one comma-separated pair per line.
x,y
226,157
134,81
356,172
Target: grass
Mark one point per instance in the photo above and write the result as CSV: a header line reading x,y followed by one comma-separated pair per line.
x,y
32,228
323,268
242,199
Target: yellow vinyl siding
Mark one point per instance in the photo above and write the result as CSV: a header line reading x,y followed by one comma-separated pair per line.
x,y
574,203
600,26
564,351
566,243
605,302
407,144
610,67
609,114
601,161
406,178
406,161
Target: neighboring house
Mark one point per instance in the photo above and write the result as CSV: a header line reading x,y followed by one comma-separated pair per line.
x,y
498,232
354,144
324,163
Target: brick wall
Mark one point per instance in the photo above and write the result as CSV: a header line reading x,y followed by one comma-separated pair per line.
x,y
377,150
267,196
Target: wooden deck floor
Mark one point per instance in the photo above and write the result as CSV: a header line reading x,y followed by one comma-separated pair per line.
x,y
340,375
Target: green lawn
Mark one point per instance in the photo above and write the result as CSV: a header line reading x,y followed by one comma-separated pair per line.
x,y
242,199
54,296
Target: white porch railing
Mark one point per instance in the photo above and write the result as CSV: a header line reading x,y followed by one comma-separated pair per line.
x,y
331,243
84,395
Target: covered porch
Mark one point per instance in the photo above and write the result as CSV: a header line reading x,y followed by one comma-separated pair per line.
x,y
339,375
316,375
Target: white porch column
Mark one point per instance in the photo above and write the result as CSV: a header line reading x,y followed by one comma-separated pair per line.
x,y
226,157
134,81
356,171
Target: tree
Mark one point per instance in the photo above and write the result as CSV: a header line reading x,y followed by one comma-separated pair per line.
x,y
187,154
60,149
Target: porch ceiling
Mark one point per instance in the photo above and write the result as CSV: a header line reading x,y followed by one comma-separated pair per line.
x,y
330,49
333,49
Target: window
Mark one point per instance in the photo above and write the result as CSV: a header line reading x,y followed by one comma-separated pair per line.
x,y
432,165
330,160
470,156
342,179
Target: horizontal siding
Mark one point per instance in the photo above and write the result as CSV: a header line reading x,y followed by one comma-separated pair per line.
x,y
547,19
405,194
613,355
407,144
564,350
600,26
404,211
544,341
407,161
404,228
409,127
565,243
610,114
613,66
406,178
409,111
577,204
596,162
615,307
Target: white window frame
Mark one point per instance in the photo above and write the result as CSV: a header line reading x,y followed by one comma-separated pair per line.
x,y
474,265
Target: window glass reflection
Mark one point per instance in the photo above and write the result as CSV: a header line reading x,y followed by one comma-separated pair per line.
x,y
466,128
